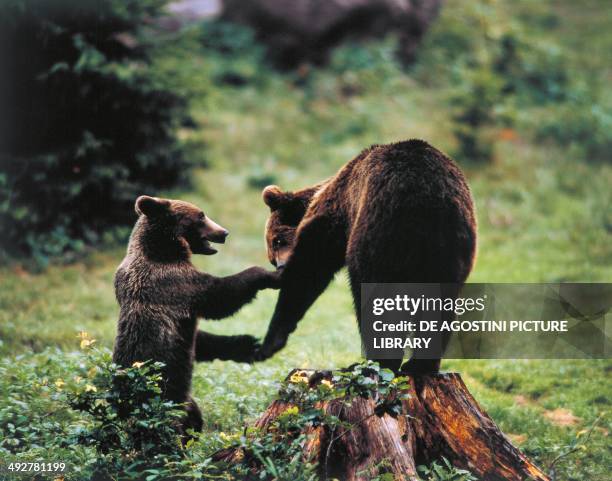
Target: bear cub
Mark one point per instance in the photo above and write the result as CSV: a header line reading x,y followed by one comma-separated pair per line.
x,y
161,294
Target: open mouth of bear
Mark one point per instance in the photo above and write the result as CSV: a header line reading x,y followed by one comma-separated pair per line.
x,y
207,249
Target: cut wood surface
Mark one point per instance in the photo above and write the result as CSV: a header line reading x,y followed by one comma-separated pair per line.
x,y
440,418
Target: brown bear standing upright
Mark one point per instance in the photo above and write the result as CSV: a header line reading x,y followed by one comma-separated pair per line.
x,y
401,212
162,294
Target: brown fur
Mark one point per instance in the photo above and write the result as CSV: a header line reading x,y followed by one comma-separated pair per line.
x,y
395,213
161,295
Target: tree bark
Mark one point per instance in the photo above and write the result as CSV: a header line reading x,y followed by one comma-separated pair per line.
x,y
439,419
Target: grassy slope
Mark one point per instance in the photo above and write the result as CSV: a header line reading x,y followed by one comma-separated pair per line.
x,y
542,218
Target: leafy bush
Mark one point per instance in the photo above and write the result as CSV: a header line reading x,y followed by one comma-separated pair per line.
x,y
503,73
229,38
28,396
131,427
444,472
533,70
475,102
107,422
236,58
278,452
507,71
479,35
103,421
91,123
583,126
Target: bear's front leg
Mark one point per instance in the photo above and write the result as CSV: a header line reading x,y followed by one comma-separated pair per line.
x,y
317,256
220,297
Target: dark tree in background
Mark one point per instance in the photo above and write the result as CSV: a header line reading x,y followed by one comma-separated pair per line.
x,y
86,125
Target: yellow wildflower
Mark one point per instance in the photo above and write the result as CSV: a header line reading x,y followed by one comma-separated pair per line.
x,y
78,378
59,383
299,376
327,383
291,411
138,364
90,388
87,343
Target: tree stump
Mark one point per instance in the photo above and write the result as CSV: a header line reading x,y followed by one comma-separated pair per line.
x,y
440,418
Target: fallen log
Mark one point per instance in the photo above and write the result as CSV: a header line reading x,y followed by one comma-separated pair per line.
x,y
439,418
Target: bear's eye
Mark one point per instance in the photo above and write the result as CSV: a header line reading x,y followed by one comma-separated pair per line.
x,y
201,216
278,242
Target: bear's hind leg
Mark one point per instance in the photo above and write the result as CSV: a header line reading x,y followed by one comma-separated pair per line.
x,y
355,279
399,254
192,420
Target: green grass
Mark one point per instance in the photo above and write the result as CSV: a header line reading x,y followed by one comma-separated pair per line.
x,y
543,217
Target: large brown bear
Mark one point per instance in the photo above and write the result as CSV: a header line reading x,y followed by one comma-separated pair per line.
x,y
161,295
401,212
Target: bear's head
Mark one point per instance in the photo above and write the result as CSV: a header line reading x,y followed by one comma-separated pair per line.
x,y
181,221
286,212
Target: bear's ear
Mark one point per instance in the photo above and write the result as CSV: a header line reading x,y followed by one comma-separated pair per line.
x,y
274,198
151,206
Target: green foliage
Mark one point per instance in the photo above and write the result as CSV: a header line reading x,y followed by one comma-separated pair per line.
x,y
533,70
236,57
272,455
475,102
582,125
74,407
103,421
444,472
485,35
130,426
259,178
379,472
28,398
92,122
112,423
505,70
36,422
277,453
368,380
229,39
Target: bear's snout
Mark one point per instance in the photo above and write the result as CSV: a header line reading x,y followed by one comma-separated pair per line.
x,y
218,236
213,232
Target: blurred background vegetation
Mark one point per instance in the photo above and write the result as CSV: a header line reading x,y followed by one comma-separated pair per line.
x,y
90,122
103,101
